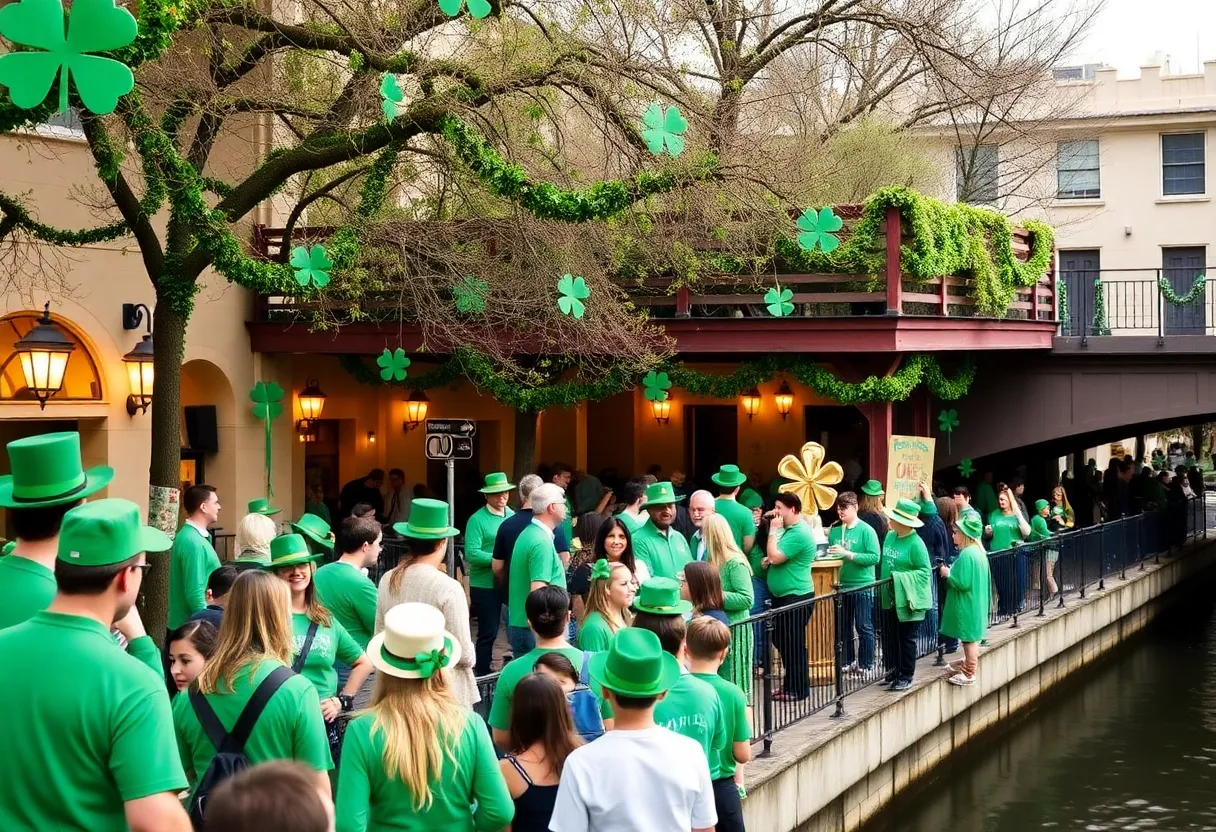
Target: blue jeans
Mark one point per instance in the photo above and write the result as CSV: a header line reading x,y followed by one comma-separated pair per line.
x,y
487,608
759,633
858,610
521,639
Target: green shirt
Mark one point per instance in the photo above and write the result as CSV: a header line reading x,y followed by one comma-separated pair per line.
x,y
516,669
330,643
479,537
904,554
665,554
291,727
1005,530
740,519
351,597
469,793
738,594
534,558
692,708
191,562
594,634
793,576
862,541
87,727
968,596
26,587
1038,528
633,522
734,719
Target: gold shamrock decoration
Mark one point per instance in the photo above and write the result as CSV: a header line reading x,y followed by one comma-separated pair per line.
x,y
810,477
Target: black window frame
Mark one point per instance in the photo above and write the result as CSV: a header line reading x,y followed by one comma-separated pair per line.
x,y
1170,186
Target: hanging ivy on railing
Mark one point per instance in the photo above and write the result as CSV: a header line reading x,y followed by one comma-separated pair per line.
x,y
1100,326
1190,298
1062,294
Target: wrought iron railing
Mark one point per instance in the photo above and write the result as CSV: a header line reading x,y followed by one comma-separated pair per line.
x,y
1145,302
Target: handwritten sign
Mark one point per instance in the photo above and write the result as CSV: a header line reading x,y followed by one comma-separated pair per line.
x,y
909,462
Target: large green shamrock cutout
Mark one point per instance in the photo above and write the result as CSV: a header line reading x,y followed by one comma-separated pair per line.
x,y
664,129
477,8
312,265
470,294
392,364
655,386
947,421
573,291
817,228
93,26
391,95
267,400
779,301
966,468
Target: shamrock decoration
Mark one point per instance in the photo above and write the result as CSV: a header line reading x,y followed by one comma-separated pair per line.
x,y
779,301
810,477
947,421
93,26
573,292
392,364
656,386
430,661
664,129
470,294
477,8
267,401
966,468
312,265
817,228
391,95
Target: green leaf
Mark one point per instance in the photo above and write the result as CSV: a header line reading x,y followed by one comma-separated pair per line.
x,y
391,95
573,291
267,400
817,229
779,301
655,386
393,364
312,265
947,420
664,130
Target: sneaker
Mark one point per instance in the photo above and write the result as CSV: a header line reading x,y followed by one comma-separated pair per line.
x,y
961,679
955,667
901,685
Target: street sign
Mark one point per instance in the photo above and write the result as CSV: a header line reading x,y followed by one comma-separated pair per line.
x,y
450,438
452,427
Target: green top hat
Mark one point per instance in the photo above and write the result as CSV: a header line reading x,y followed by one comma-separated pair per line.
x,y
289,550
873,488
428,521
661,494
496,483
750,498
906,512
47,472
262,506
1039,505
661,596
635,664
972,526
729,476
315,529
104,532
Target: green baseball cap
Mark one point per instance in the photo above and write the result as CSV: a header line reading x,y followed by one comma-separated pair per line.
x,y
105,532
729,476
873,488
750,498
289,550
971,526
635,664
661,596
428,521
661,494
262,506
47,472
315,529
496,483
906,512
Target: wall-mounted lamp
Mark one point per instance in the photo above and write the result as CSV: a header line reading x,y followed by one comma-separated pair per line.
x,y
371,437
139,360
415,410
751,403
785,399
44,355
661,411
312,402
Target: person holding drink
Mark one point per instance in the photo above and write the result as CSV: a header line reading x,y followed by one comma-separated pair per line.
x,y
1008,528
856,544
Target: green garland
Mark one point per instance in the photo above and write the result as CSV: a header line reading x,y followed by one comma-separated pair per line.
x,y
1062,294
1189,299
481,372
1100,326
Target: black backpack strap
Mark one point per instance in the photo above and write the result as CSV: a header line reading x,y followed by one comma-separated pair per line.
x,y
212,727
256,704
298,664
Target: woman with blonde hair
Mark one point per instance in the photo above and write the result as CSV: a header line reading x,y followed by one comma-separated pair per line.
x,y
253,654
738,594
253,537
1062,517
607,607
418,759
421,576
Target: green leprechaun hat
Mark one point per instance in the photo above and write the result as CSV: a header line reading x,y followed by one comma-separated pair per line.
x,y
635,664
729,476
971,525
46,471
873,488
907,513
316,530
496,483
262,506
289,550
661,596
661,494
428,521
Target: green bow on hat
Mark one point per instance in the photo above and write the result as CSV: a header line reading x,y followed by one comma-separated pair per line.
x,y
601,569
971,526
661,596
105,532
635,664
47,472
262,506
661,494
430,662
729,476
316,530
428,521
907,513
496,483
872,488
289,550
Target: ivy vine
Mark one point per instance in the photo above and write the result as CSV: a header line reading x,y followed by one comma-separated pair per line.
x,y
1189,299
1100,325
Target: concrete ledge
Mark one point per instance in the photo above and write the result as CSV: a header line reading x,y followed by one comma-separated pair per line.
x,y
831,775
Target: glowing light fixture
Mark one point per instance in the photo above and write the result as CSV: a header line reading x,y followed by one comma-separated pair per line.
x,y
44,353
785,399
751,403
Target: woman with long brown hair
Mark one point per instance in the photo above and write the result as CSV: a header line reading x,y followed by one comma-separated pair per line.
x,y
542,737
418,759
700,584
614,543
738,595
254,642
607,607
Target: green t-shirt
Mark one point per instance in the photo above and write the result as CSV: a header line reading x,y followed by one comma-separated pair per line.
x,y
1005,530
692,708
26,587
351,597
740,519
469,793
793,576
534,558
291,727
734,715
862,541
1038,528
87,727
594,634
191,562
968,596
906,553
479,537
330,643
633,522
516,669
665,555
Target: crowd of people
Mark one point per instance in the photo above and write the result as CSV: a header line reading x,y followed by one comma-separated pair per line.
x,y
292,692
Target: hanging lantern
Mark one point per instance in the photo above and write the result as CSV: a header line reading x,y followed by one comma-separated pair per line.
x,y
44,353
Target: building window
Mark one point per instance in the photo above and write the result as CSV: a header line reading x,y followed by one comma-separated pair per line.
x,y
1077,170
1182,164
976,174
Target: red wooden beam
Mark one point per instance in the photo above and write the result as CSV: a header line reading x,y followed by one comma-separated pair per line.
x,y
895,288
882,425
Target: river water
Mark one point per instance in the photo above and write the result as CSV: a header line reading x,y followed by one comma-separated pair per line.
x,y
1129,745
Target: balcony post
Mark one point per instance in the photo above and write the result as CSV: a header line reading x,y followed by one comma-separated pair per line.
x,y
895,289
945,296
683,303
882,425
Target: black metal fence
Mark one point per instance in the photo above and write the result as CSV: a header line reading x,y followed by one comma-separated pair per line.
x,y
1160,302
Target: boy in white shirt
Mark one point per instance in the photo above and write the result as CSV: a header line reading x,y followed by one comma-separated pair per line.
x,y
637,776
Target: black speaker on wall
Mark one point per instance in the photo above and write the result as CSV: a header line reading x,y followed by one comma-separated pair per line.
x,y
201,430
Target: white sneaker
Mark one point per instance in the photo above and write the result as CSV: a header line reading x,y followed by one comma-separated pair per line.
x,y
955,667
961,679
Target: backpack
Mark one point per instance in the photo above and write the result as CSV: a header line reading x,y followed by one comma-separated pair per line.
x,y
229,756
585,707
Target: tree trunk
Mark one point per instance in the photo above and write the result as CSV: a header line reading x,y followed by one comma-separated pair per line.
x,y
1198,434
1141,453
164,470
525,444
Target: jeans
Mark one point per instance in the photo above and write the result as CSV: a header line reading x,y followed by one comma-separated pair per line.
x,y
759,629
858,610
907,631
789,635
486,609
521,639
888,633
728,806
1009,577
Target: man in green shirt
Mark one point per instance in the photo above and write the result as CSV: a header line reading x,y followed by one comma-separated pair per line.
x,y
193,557
633,495
729,480
47,480
789,556
89,743
534,563
855,543
663,549
346,591
479,537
